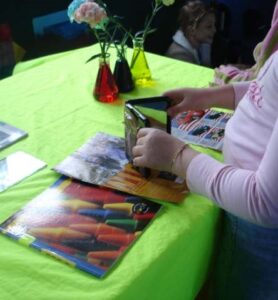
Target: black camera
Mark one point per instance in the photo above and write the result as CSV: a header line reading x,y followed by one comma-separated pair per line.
x,y
140,113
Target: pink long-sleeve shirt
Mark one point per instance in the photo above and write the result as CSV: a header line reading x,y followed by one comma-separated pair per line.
x,y
246,184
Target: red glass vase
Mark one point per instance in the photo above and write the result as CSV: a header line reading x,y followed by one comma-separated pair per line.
x,y
106,89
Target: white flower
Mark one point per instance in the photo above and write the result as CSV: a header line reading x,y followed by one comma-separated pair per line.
x,y
165,2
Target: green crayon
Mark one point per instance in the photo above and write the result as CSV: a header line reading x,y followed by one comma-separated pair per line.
x,y
127,224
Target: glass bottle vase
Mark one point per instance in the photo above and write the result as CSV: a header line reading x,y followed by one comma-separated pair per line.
x,y
105,89
139,66
123,76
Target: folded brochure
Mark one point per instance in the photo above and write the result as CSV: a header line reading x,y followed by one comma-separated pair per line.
x,y
102,161
203,128
83,225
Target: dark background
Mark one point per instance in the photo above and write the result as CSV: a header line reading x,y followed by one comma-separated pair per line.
x,y
245,24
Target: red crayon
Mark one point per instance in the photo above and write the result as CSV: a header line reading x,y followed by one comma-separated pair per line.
x,y
142,217
63,248
91,193
119,239
110,255
97,229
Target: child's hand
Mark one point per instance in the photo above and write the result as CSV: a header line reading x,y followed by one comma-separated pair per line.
x,y
155,149
187,99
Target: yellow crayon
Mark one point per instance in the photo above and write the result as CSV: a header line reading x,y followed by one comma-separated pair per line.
x,y
76,204
126,207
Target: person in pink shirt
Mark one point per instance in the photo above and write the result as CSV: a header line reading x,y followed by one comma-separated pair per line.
x,y
245,185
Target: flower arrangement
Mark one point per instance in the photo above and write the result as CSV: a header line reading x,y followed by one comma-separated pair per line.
x,y
104,25
109,31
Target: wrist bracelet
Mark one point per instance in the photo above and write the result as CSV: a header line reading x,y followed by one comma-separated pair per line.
x,y
176,155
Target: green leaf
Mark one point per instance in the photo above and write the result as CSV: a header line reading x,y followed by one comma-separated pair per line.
x,y
93,57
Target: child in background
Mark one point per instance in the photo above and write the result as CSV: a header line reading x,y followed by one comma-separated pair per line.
x,y
245,185
192,42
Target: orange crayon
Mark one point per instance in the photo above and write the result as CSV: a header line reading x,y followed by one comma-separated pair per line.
x,y
120,239
98,262
97,229
57,233
110,255
126,207
122,176
131,171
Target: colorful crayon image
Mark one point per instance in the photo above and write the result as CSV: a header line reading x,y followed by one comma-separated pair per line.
x,y
84,225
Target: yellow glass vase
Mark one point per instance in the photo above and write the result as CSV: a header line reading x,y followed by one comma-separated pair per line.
x,y
140,70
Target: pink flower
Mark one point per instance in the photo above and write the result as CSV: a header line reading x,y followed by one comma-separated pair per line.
x,y
91,13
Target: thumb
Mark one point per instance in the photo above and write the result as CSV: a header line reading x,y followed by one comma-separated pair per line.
x,y
174,110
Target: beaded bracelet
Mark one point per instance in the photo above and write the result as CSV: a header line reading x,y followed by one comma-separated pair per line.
x,y
176,155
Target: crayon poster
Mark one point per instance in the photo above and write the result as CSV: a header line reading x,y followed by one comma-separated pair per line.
x,y
203,128
85,226
102,161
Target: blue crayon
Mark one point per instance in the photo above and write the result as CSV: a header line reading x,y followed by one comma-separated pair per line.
x,y
103,214
89,245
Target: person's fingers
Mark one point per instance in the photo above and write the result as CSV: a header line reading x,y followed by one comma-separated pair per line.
x,y
174,110
142,132
140,141
139,161
173,94
137,151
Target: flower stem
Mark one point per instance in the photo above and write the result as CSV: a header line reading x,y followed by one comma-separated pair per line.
x,y
156,8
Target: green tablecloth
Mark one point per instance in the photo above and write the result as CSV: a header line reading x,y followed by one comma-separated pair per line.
x,y
51,99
